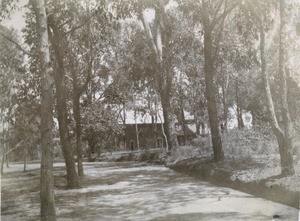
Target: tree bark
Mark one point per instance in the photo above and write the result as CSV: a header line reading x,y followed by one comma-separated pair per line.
x,y
183,122
61,107
78,132
46,181
238,108
77,92
282,136
164,78
136,130
64,133
224,101
210,91
25,158
287,155
169,117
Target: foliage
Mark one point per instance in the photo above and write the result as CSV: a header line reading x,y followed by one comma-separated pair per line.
x,y
19,104
250,142
101,126
107,40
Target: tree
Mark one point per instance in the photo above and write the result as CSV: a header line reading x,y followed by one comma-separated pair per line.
x,y
57,42
101,127
78,90
11,74
211,15
46,184
87,42
157,38
285,139
157,34
283,135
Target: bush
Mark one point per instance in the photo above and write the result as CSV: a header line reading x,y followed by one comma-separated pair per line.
x,y
250,142
184,152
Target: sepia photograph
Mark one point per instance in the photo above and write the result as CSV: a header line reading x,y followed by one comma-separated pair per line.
x,y
150,110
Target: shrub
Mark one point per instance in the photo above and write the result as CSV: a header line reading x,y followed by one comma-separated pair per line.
x,y
250,142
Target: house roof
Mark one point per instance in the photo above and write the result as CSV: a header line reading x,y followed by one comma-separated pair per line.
x,y
141,118
146,118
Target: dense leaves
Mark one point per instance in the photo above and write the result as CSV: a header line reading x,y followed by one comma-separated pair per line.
x,y
148,56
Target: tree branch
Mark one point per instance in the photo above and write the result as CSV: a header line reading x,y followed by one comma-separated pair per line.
x,y
83,23
17,45
252,11
148,32
17,146
218,8
218,39
217,19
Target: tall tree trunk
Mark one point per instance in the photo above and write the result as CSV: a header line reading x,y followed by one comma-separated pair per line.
x,y
238,108
77,91
46,182
287,155
197,127
183,122
64,133
164,77
169,116
124,124
78,132
224,101
25,158
61,106
8,144
136,130
284,142
210,91
91,150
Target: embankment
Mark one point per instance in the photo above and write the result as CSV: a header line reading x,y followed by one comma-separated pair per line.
x,y
221,174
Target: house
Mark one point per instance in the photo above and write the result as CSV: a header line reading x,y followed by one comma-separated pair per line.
x,y
187,134
142,135
143,132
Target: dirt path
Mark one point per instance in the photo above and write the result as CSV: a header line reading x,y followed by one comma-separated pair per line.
x,y
132,191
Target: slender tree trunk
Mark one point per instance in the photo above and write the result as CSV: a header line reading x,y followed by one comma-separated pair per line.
x,y
7,161
169,117
4,150
62,113
2,163
163,132
124,123
25,158
136,131
64,133
225,109
164,85
77,91
224,101
287,156
8,143
47,181
238,108
197,128
92,149
77,118
210,92
284,142
3,144
183,122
